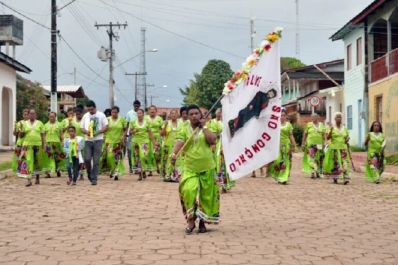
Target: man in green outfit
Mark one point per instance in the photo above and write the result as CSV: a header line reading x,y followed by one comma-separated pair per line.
x,y
198,189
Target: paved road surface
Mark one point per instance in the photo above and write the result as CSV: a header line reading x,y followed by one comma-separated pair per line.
x,y
130,222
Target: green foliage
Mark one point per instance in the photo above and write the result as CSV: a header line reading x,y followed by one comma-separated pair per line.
x,y
82,101
392,160
358,149
298,132
30,95
207,86
290,62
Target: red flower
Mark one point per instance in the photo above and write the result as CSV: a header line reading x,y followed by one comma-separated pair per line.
x,y
267,47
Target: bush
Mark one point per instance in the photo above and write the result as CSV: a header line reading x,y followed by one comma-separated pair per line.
x,y
298,132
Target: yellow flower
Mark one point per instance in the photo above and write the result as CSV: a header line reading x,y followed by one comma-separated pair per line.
x,y
272,37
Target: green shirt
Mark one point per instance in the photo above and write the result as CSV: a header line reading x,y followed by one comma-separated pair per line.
x,y
53,132
20,128
338,139
315,134
115,131
140,132
155,125
172,132
286,130
66,123
198,156
375,143
215,126
33,133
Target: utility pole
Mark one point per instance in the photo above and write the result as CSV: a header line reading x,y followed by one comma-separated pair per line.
x,y
151,99
135,83
111,35
252,34
53,97
297,29
143,66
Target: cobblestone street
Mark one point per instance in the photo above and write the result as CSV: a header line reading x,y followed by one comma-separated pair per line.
x,y
131,222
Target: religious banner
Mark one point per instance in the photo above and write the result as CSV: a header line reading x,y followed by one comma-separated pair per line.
x,y
251,109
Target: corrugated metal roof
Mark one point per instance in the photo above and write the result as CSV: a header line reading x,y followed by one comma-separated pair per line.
x,y
65,89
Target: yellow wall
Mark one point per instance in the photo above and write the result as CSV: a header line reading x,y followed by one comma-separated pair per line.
x,y
389,90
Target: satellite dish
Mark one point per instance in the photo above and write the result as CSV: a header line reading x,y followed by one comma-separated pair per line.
x,y
102,54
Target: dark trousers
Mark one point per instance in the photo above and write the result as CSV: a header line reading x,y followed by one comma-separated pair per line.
x,y
92,151
73,168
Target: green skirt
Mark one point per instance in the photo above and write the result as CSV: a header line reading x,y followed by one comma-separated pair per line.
x,y
171,172
312,160
55,158
281,167
31,161
200,196
337,163
114,159
140,156
154,155
374,167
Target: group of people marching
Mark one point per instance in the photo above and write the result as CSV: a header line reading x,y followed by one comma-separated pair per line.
x,y
184,147
327,151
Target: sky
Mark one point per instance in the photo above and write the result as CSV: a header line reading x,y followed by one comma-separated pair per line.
x,y
186,33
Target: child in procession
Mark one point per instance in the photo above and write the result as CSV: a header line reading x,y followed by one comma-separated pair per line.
x,y
73,146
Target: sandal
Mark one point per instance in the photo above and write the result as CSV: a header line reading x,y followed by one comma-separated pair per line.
x,y
202,227
189,230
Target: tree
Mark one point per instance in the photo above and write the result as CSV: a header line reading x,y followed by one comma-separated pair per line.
x,y
30,95
290,62
207,86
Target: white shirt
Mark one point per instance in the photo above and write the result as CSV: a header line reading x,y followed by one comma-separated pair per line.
x,y
130,117
99,122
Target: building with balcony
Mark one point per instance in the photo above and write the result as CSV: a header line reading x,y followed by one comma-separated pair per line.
x,y
67,96
301,84
371,71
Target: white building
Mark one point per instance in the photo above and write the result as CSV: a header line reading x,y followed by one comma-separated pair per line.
x,y
67,95
8,83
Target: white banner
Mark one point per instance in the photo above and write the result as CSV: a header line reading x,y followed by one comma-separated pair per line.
x,y
251,113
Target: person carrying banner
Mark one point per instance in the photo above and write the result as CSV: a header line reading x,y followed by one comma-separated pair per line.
x,y
142,137
169,132
281,167
114,141
375,162
198,188
337,160
313,144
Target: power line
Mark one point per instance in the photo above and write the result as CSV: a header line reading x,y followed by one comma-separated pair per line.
x,y
28,18
175,33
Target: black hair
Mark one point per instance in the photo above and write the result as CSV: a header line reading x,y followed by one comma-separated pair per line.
x,y
107,112
69,110
79,109
284,111
193,106
153,106
52,112
373,124
71,128
91,103
137,102
115,108
182,109
140,110
274,91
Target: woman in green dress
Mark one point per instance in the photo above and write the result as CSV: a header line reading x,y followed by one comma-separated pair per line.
x,y
313,145
155,123
281,167
142,137
31,159
169,133
18,130
199,192
53,148
114,140
375,142
337,160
